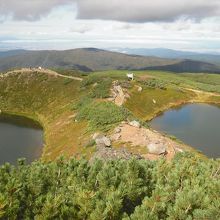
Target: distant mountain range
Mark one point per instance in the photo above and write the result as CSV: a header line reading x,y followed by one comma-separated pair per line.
x,y
10,53
173,54
92,59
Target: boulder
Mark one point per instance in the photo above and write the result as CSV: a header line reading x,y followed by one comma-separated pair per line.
x,y
117,130
115,137
140,89
103,141
135,124
95,84
177,149
156,148
96,135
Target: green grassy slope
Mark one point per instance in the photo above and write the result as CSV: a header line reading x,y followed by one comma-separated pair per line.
x,y
47,99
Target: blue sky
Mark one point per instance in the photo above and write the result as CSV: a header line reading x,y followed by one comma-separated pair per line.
x,y
65,24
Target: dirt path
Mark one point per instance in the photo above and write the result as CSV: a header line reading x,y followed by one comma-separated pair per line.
x,y
202,94
46,71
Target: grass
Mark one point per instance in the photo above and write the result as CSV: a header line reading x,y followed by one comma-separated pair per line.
x,y
149,102
205,82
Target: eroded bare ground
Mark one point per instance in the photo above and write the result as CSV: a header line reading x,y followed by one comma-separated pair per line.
x,y
142,137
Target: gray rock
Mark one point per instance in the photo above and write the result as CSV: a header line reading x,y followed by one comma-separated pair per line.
x,y
135,124
117,130
115,137
140,89
177,149
97,135
106,154
156,148
102,141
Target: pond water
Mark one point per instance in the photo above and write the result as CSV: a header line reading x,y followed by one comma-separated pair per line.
x,y
19,138
197,125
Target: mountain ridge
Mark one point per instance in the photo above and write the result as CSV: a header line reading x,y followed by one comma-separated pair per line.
x,y
93,59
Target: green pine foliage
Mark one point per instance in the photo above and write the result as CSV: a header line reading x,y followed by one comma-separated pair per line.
x,y
155,84
102,89
100,115
186,188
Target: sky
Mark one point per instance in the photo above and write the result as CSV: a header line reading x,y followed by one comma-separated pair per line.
x,y
192,25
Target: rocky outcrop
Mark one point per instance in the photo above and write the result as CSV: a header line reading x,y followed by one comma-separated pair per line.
x,y
104,151
156,144
106,154
119,95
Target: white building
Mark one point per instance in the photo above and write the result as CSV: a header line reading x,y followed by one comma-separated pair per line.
x,y
130,76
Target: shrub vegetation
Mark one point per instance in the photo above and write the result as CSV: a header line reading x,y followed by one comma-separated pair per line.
x,y
155,83
100,115
186,188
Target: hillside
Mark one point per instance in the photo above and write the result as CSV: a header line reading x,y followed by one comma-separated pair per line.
x,y
10,53
91,59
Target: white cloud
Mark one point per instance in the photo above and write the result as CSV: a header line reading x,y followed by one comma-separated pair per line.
x,y
147,10
30,10
110,24
120,10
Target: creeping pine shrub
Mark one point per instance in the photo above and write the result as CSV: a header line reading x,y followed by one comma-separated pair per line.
x,y
101,115
155,83
185,188
82,103
90,80
102,87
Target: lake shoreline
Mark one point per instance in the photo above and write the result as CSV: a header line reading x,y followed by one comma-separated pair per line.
x,y
21,137
192,125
